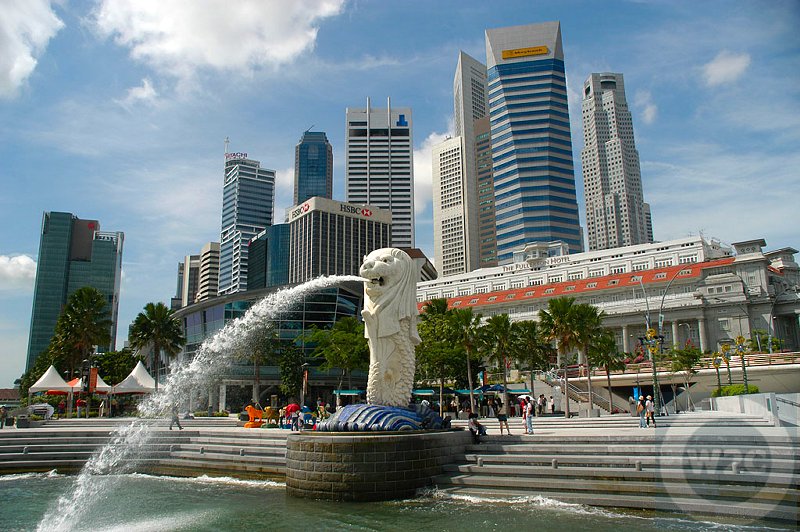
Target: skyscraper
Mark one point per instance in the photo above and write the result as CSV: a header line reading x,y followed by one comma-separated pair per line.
x,y
534,180
73,253
208,281
248,203
451,242
616,214
469,105
329,237
380,165
313,167
487,230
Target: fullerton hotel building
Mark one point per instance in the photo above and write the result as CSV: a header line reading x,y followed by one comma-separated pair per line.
x,y
689,289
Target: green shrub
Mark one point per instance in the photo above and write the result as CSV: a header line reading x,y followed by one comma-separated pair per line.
x,y
734,389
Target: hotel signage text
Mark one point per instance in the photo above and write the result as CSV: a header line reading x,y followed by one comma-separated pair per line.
x,y
550,261
524,52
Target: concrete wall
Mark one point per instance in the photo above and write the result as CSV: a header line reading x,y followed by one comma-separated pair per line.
x,y
781,409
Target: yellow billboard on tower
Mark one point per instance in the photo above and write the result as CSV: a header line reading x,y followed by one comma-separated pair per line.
x,y
524,52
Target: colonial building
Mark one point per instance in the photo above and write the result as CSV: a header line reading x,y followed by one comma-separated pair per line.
x,y
690,289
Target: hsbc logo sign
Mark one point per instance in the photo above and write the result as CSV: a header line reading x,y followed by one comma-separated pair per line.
x,y
302,209
352,209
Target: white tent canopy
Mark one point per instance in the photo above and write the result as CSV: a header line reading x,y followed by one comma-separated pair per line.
x,y
101,387
139,381
51,380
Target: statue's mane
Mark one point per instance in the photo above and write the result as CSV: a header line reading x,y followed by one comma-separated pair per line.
x,y
395,304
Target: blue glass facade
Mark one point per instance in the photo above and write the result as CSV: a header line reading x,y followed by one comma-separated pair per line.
x,y
73,253
313,167
268,258
527,87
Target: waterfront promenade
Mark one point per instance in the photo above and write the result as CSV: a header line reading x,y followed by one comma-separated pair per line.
x,y
711,463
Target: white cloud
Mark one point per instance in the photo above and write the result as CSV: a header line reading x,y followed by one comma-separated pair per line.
x,y
17,272
643,101
181,36
284,192
725,68
26,26
144,93
423,171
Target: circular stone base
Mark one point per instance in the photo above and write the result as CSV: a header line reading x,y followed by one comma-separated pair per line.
x,y
368,466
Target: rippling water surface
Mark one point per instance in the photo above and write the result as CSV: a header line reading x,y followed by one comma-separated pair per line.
x,y
139,503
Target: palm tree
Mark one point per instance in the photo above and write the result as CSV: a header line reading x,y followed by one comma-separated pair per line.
x,y
534,350
437,354
342,346
466,331
261,346
83,324
499,336
603,353
588,324
157,326
558,322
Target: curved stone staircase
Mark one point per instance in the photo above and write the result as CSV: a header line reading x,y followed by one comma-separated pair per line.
x,y
703,463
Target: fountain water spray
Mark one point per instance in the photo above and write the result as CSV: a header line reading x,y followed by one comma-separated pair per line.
x,y
130,443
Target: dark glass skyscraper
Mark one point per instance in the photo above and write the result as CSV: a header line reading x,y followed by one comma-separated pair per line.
x,y
73,253
534,179
313,167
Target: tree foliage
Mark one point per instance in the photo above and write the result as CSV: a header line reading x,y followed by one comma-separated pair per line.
x,y
290,364
114,366
157,328
341,346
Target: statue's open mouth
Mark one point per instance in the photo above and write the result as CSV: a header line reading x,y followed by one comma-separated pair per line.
x,y
377,280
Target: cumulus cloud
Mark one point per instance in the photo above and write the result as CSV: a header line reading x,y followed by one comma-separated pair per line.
x,y
643,101
144,93
26,26
182,36
725,68
423,171
16,272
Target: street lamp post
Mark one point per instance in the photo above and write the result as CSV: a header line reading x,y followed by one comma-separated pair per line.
x,y
717,361
652,339
741,349
726,357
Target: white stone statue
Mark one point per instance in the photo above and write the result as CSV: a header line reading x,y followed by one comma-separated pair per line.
x,y
390,319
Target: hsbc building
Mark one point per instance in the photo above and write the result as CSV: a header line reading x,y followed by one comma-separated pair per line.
x,y
329,237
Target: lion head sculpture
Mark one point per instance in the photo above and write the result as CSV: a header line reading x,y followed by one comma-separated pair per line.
x,y
390,319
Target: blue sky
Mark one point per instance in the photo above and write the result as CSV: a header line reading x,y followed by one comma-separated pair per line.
x,y
117,110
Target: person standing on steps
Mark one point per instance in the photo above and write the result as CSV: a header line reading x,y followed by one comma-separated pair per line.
x,y
3,416
529,417
650,408
640,409
502,417
552,405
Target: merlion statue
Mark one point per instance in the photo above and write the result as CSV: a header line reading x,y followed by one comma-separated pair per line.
x,y
390,319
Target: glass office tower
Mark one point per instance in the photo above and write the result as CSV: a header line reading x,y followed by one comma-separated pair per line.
x,y
534,179
248,203
313,167
73,253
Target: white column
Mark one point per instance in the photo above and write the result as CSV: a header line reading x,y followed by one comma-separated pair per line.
x,y
675,333
222,397
701,331
625,344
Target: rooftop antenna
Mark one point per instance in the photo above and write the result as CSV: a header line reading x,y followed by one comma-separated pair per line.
x,y
309,128
227,143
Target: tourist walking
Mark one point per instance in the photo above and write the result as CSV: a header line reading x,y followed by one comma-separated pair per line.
x,y
540,403
650,409
502,417
175,420
3,416
640,409
552,405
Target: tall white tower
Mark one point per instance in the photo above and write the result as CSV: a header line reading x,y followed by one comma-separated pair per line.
x,y
380,165
616,214
451,242
469,105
